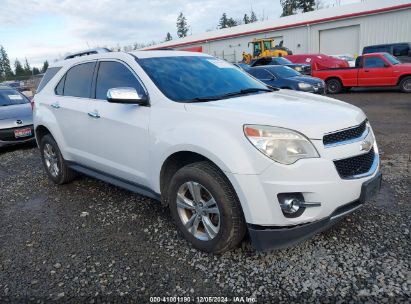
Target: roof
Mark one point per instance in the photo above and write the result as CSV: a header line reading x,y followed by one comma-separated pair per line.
x,y
323,15
120,55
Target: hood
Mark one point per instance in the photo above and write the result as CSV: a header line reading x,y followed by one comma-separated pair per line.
x,y
306,79
18,111
307,113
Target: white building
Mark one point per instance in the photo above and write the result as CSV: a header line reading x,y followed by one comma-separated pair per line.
x,y
336,30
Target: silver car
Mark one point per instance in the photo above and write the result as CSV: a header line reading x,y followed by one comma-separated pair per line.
x,y
16,117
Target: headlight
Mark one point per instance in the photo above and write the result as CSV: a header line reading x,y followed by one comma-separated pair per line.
x,y
281,145
298,69
305,86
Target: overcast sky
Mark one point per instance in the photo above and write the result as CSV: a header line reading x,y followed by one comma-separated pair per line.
x,y
48,29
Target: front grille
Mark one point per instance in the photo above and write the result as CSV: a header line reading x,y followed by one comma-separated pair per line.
x,y
8,134
348,134
350,167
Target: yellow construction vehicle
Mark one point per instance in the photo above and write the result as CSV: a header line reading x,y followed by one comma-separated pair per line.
x,y
264,47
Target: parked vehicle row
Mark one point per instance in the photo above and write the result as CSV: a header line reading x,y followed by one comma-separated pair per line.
x,y
223,151
16,119
371,70
284,77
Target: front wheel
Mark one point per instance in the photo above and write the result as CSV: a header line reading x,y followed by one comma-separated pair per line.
x,y
206,208
405,84
334,86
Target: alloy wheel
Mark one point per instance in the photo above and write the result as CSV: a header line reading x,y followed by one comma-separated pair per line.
x,y
51,160
198,211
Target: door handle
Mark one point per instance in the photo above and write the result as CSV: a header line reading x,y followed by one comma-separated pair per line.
x,y
55,105
93,114
366,71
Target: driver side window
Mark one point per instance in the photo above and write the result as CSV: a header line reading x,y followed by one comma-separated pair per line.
x,y
374,62
112,74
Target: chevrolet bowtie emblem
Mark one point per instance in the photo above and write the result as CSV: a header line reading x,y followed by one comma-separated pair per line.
x,y
365,145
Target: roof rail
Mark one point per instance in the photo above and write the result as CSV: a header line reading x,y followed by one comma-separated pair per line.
x,y
87,52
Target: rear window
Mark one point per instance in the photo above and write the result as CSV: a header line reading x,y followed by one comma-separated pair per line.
x,y
9,97
377,49
47,77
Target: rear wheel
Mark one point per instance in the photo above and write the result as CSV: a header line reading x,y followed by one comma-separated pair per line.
x,y
206,208
405,84
53,161
334,86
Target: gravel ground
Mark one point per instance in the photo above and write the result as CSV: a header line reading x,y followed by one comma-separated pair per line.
x,y
92,242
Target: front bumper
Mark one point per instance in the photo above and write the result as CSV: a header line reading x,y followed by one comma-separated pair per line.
x,y
7,137
266,238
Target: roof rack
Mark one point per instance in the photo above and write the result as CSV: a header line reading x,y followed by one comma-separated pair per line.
x,y
87,52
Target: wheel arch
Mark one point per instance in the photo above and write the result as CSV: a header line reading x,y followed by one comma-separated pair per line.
x,y
176,161
41,131
402,77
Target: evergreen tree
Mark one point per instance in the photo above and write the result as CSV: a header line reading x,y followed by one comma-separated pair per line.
x,y
5,70
27,68
231,22
306,5
223,21
253,17
289,7
182,27
18,68
36,71
169,37
246,19
45,66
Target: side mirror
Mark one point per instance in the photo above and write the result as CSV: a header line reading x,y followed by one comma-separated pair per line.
x,y
386,65
127,96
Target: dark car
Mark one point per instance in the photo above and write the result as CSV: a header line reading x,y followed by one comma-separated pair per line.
x,y
16,117
299,67
400,50
284,77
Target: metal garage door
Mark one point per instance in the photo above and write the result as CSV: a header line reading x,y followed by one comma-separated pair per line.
x,y
343,40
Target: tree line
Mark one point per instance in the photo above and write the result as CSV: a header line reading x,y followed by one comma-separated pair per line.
x,y
289,7
19,69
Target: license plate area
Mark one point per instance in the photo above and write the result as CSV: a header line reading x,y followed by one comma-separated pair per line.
x,y
371,188
21,133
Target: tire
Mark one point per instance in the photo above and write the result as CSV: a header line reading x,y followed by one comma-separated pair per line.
x,y
334,86
405,84
228,225
54,163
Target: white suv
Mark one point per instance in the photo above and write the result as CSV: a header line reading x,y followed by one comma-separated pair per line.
x,y
225,153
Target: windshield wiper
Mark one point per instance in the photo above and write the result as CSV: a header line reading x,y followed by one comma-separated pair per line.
x,y
227,95
203,99
248,91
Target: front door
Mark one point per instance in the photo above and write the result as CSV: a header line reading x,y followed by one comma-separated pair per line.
x,y
118,134
375,72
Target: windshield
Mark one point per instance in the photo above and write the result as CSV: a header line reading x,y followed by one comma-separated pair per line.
x,y
9,97
186,78
391,59
283,72
281,60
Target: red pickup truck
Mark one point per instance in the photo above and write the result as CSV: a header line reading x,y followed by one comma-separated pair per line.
x,y
371,70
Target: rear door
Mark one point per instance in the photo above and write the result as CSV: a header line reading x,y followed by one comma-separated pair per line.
x,y
375,72
70,106
117,134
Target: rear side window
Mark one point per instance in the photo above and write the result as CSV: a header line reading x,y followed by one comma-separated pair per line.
x,y
47,77
374,62
9,97
78,80
401,50
113,74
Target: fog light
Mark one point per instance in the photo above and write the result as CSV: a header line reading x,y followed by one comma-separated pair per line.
x,y
290,205
293,204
